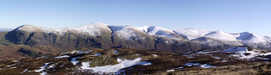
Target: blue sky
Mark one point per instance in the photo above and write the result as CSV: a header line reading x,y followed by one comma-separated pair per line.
x,y
226,15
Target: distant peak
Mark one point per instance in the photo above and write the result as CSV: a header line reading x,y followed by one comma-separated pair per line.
x,y
29,28
216,32
247,36
26,25
220,35
246,33
95,25
157,28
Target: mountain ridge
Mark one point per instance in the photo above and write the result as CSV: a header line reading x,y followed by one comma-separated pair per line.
x,y
146,37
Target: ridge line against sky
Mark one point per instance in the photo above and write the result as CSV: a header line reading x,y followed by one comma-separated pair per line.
x,y
226,15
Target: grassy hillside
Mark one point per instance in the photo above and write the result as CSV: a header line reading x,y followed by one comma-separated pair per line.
x,y
162,62
2,35
3,41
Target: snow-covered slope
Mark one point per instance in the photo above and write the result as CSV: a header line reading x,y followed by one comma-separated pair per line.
x,y
247,37
163,32
132,31
219,35
219,38
127,32
114,68
155,30
91,29
192,33
244,37
29,28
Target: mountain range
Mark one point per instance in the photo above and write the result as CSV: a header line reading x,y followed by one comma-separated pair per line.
x,y
146,37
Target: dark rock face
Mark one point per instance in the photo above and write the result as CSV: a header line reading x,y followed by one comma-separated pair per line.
x,y
68,40
17,37
174,45
162,43
27,52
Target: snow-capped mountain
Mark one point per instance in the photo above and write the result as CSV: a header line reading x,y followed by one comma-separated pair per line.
x,y
191,33
247,37
95,29
149,35
155,30
29,28
91,29
164,32
219,35
127,32
131,31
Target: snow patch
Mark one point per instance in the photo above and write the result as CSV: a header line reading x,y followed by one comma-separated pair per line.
x,y
114,68
74,60
207,66
81,51
155,55
42,69
172,70
192,33
192,64
144,63
244,53
64,56
85,65
199,65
